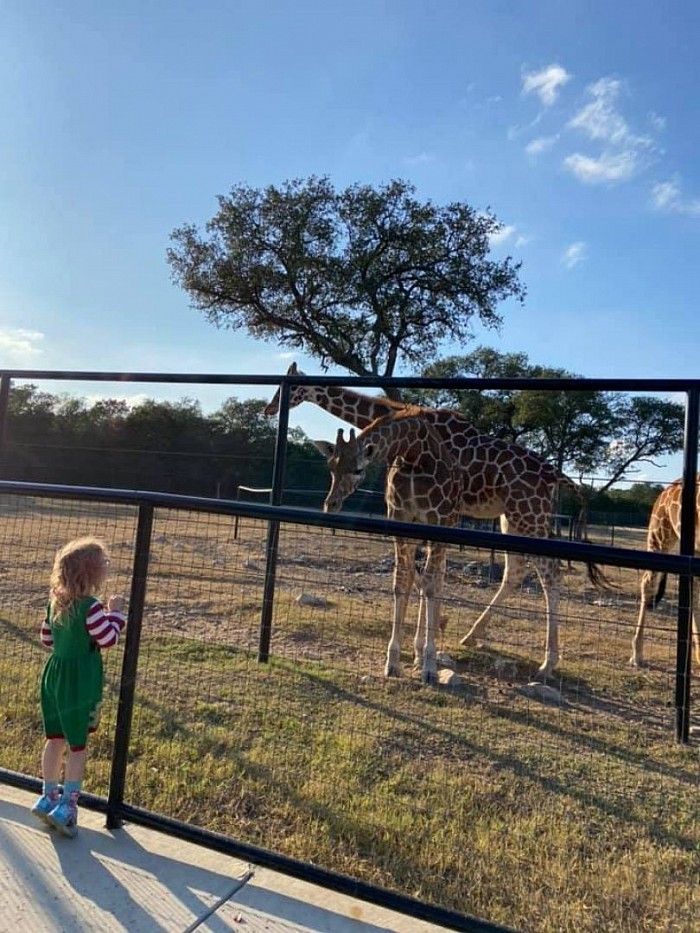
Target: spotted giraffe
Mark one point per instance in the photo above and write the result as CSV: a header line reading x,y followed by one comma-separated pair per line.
x,y
663,535
424,485
501,480
498,480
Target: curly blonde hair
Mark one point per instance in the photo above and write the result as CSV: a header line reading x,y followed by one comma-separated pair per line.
x,y
79,569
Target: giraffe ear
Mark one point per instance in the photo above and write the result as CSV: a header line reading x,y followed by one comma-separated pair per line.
x,y
325,447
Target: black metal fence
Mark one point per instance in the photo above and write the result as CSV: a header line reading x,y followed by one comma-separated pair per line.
x,y
167,540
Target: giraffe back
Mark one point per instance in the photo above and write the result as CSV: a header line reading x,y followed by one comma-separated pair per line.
x,y
664,529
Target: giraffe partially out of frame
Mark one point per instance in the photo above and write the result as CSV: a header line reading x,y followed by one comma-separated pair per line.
x,y
663,535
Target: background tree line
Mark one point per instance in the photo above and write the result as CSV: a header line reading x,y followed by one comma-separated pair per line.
x,y
175,447
156,445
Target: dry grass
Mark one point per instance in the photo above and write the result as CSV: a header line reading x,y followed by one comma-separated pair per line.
x,y
576,815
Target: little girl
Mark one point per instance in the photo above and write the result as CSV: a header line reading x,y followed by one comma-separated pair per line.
x,y
76,626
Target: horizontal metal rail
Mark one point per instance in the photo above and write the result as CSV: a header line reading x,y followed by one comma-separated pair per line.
x,y
344,521
395,382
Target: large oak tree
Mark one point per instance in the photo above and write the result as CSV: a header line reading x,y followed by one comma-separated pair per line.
x,y
366,278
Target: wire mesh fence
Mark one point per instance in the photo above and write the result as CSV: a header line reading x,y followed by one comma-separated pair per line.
x,y
563,806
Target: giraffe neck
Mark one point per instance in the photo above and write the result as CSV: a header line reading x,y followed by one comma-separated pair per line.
x,y
399,437
358,410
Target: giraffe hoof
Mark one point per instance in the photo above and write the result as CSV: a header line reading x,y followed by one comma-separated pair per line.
x,y
392,672
429,678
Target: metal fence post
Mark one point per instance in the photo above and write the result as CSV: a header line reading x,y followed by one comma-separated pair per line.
x,y
685,580
5,383
127,685
273,528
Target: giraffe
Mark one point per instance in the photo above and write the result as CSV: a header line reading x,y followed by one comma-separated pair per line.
x,y
424,485
498,480
503,480
357,409
663,534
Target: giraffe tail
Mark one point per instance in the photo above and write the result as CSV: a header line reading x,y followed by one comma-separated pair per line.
x,y
598,578
656,598
595,573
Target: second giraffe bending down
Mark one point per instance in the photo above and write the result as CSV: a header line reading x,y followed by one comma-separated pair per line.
x,y
663,535
497,479
428,489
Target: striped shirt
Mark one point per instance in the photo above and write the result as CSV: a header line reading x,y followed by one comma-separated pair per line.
x,y
103,627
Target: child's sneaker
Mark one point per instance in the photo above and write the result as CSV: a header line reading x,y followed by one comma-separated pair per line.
x,y
45,804
64,818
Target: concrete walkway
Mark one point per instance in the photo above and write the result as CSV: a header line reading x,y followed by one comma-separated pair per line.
x,y
140,881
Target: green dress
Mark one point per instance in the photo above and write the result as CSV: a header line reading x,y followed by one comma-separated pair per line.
x,y
72,680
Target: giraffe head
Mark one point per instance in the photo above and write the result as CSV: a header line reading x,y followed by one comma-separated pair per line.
x,y
297,394
347,462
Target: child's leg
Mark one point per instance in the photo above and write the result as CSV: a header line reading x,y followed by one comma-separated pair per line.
x,y
74,772
51,760
65,815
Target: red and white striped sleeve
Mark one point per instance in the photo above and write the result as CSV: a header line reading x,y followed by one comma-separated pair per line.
x,y
104,627
45,634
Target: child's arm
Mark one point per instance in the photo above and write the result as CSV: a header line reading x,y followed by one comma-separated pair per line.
x,y
115,608
105,627
45,634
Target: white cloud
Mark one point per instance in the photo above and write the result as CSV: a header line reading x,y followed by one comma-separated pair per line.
x,y
601,120
541,144
574,254
20,346
422,158
657,123
500,236
624,152
607,168
546,83
666,196
509,234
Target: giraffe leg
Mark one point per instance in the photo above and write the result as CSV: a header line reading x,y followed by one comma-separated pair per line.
x,y
431,592
404,572
548,572
513,575
648,585
419,638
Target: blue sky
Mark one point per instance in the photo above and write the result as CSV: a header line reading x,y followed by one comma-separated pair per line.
x,y
575,123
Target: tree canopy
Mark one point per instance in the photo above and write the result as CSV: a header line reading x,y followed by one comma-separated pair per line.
x,y
365,278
